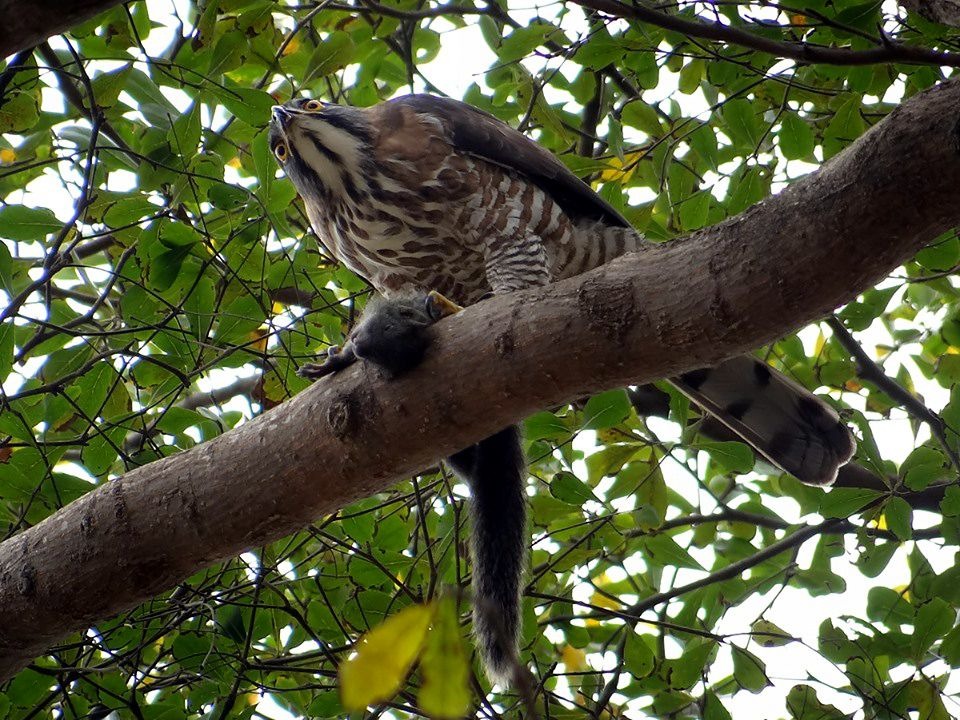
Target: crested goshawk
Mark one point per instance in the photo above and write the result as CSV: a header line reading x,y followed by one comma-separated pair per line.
x,y
423,193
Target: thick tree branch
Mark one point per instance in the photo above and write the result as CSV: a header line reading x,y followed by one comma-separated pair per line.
x,y
24,24
945,12
887,50
677,306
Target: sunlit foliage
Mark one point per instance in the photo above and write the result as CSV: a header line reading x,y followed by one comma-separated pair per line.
x,y
159,285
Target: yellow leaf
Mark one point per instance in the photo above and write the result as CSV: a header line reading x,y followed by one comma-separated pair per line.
x,y
259,338
574,659
7,156
235,162
604,601
445,692
818,345
292,46
622,170
384,656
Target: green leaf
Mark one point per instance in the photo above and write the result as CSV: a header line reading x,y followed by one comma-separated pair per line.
x,y
606,410
768,634
610,460
695,210
687,670
923,466
637,655
6,349
176,235
544,426
941,255
795,137
713,709
898,515
129,210
748,186
107,86
803,704
359,527
152,102
934,620
239,319
90,392
568,488
599,51
749,671
384,656
445,691
704,143
732,456
663,551
228,53
875,558
18,222
889,607
247,104
846,125
523,41
643,117
924,697
227,197
740,121
332,54
950,647
184,136
844,502
690,76
19,113
6,268
27,687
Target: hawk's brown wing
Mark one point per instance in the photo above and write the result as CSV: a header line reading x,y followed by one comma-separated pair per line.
x,y
478,133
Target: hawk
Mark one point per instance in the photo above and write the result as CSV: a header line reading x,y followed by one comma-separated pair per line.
x,y
424,193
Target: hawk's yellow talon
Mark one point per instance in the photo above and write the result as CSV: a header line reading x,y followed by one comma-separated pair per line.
x,y
442,306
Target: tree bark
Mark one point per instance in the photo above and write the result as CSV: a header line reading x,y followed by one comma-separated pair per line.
x,y
945,12
675,307
24,24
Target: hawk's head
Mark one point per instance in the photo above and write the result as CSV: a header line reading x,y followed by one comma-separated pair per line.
x,y
321,146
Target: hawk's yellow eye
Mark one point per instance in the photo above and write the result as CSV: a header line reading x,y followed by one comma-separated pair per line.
x,y
312,105
280,150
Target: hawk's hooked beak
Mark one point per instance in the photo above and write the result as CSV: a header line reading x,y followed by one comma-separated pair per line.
x,y
281,116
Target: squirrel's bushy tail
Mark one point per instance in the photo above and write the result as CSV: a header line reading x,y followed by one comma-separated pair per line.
x,y
494,469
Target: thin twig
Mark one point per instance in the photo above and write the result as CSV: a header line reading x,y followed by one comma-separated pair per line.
x,y
869,370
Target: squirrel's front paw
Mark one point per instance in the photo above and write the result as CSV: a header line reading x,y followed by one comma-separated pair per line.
x,y
336,360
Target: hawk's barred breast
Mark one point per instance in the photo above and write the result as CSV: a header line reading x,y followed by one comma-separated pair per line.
x,y
408,210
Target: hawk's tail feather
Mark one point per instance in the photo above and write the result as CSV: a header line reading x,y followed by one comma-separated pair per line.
x,y
785,422
494,470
